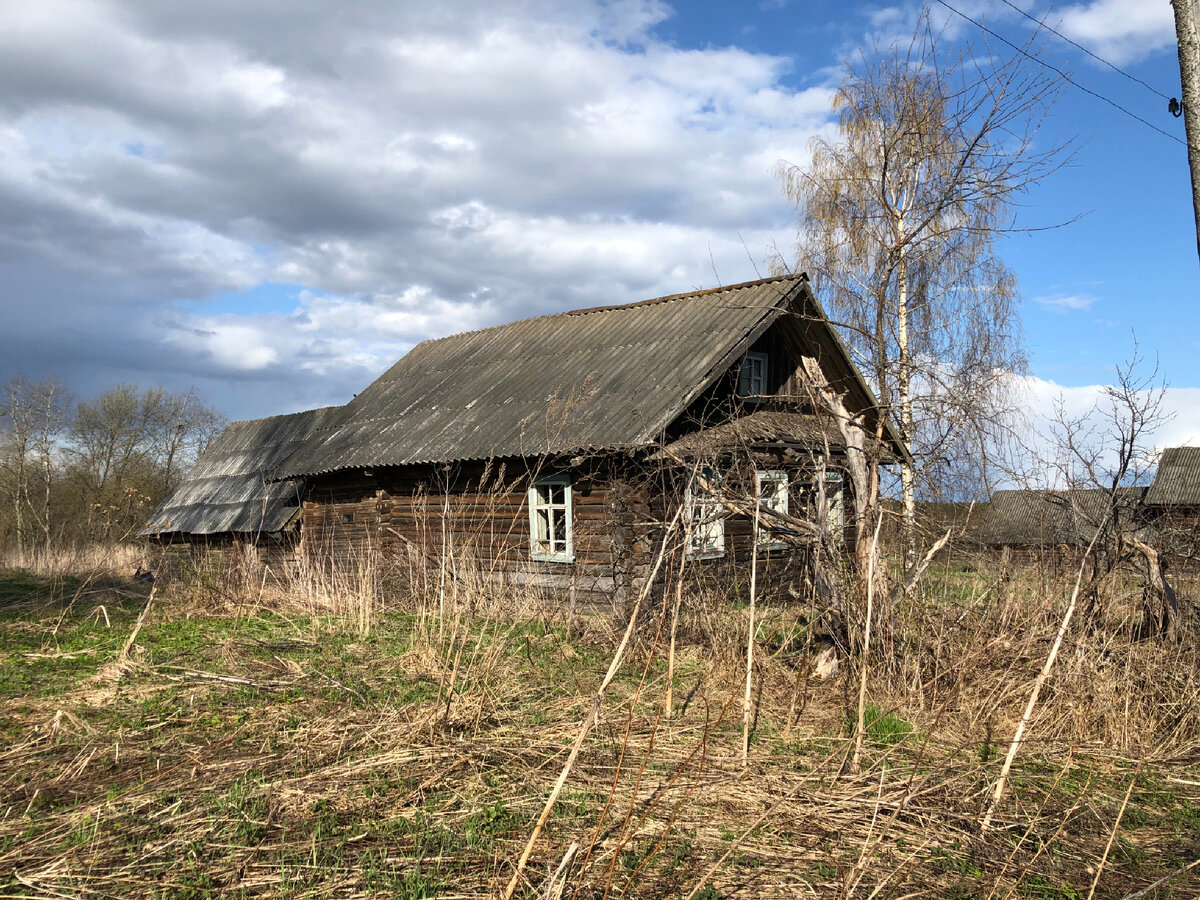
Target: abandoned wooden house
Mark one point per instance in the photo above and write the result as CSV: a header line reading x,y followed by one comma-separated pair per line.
x,y
1055,526
551,451
1173,501
228,506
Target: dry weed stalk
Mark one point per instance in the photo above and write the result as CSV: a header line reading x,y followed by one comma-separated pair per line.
x,y
746,701
860,726
1037,689
592,716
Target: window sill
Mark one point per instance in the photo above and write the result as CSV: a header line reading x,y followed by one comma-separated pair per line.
x,y
553,557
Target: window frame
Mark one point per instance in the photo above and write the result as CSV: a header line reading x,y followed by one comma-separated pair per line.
x,y
780,477
711,532
537,549
835,503
748,380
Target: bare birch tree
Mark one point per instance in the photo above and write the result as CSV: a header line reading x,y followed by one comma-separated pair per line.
x,y
900,216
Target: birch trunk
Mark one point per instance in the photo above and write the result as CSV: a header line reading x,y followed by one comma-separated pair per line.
x,y
904,398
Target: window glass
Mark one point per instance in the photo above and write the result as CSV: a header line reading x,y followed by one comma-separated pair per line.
x,y
773,494
550,526
752,375
706,518
835,511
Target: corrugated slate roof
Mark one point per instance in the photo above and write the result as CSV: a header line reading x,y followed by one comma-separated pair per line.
x,y
229,489
604,378
1033,518
1177,481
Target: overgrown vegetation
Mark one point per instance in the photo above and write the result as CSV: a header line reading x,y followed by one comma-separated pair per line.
x,y
251,744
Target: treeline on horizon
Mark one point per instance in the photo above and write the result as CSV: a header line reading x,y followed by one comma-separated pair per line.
x,y
75,471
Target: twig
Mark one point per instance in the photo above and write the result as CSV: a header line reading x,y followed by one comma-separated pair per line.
x,y
554,887
1148,888
123,658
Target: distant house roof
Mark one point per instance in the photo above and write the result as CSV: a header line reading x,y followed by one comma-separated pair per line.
x,y
1035,518
607,378
229,490
1177,481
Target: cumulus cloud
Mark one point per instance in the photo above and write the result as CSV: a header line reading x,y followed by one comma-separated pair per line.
x,y
1121,31
413,170
1047,406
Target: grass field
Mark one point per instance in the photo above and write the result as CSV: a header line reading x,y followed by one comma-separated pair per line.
x,y
251,748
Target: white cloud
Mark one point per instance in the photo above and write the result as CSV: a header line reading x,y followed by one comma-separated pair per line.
x,y
1066,301
1097,424
1121,31
415,170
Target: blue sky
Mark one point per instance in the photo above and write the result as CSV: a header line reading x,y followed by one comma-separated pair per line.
x,y
272,201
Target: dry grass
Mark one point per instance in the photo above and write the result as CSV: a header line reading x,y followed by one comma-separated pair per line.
x,y
82,560
278,748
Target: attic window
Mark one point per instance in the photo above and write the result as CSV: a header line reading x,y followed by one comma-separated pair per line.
x,y
551,532
752,375
705,519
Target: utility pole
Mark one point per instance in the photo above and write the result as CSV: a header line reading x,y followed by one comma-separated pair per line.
x,y
1186,19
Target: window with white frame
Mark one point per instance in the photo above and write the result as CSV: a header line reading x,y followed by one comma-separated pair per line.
x,y
772,489
752,376
705,517
835,511
550,528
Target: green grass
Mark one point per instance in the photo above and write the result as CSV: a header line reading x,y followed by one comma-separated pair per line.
x,y
883,728
348,767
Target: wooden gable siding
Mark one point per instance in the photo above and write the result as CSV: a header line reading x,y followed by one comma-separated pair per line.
x,y
480,513
785,376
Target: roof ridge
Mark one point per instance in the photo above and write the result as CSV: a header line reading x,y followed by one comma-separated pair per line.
x,y
687,294
801,276
301,412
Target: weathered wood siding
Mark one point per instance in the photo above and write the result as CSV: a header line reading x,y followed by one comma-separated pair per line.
x,y
226,553
476,515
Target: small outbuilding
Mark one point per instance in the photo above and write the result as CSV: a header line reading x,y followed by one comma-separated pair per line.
x,y
1054,525
1173,501
231,503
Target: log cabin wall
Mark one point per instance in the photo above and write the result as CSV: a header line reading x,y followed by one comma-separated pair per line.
x,y
783,566
226,554
475,517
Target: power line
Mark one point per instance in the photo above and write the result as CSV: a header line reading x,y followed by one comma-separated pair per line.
x,y
1061,74
1042,24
